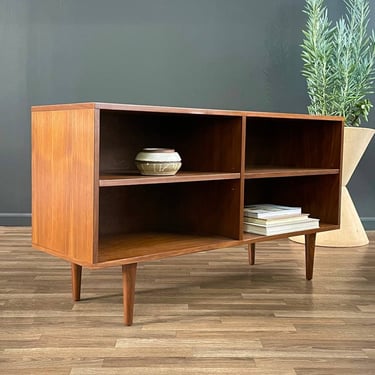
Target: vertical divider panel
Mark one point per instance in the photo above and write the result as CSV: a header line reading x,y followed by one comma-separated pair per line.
x,y
242,174
96,195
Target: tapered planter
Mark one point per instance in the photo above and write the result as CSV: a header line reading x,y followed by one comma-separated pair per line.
x,y
351,232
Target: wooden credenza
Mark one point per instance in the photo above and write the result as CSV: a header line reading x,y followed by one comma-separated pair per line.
x,y
92,208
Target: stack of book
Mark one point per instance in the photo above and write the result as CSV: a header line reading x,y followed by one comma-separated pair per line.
x,y
268,219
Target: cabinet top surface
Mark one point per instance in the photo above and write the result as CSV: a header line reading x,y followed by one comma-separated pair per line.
x,y
176,110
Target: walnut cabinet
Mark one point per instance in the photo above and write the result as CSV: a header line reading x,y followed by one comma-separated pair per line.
x,y
92,208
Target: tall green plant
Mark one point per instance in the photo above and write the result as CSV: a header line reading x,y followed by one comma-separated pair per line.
x,y
339,61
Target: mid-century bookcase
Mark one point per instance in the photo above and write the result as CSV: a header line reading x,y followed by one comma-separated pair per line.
x,y
92,208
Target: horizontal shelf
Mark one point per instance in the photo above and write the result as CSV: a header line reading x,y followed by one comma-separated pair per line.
x,y
250,237
134,178
139,247
287,172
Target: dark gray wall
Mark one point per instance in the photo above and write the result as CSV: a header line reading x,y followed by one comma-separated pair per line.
x,y
237,54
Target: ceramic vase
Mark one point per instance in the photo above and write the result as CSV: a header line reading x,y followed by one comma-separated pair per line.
x,y
158,162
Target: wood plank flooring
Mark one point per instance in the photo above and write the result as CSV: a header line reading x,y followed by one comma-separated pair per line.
x,y
205,313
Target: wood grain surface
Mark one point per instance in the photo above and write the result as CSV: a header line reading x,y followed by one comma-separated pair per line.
x,y
204,313
63,183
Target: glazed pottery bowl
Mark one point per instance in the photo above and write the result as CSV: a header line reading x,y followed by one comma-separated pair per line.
x,y
158,162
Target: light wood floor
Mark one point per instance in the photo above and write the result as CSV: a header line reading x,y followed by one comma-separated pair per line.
x,y
206,313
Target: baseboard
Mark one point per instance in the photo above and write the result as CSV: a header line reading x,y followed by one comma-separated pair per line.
x,y
12,219
368,223
24,219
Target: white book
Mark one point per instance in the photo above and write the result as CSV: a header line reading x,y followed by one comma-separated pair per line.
x,y
273,221
265,211
309,223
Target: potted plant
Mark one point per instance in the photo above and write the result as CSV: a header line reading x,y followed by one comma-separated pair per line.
x,y
339,67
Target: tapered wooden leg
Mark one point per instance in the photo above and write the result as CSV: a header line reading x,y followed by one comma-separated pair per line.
x,y
309,254
251,251
76,281
128,285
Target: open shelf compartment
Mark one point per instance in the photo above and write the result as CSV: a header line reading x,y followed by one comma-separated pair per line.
x,y
206,143
318,196
292,146
183,213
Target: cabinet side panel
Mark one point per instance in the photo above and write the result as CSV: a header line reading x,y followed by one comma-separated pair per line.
x,y
63,183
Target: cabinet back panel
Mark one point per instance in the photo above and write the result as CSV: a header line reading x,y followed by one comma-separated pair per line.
x,y
317,195
293,143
